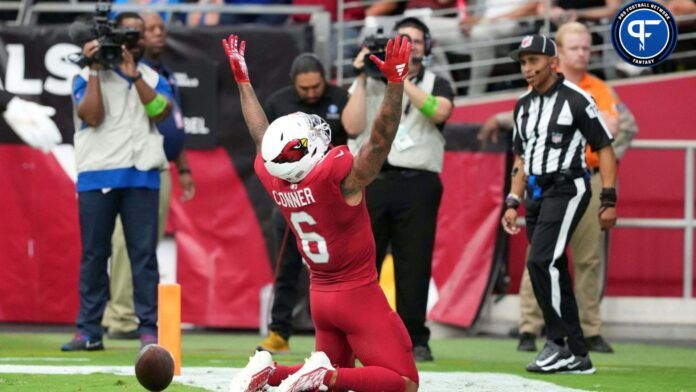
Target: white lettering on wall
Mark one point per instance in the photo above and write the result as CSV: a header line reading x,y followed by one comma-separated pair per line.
x,y
14,80
57,64
195,126
60,70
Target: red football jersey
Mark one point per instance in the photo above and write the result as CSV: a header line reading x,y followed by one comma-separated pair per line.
x,y
334,238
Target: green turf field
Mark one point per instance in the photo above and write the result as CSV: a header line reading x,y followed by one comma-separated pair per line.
x,y
634,367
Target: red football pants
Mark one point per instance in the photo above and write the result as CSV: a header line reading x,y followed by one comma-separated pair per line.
x,y
359,322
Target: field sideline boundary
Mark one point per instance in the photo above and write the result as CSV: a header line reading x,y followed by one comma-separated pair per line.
x,y
217,379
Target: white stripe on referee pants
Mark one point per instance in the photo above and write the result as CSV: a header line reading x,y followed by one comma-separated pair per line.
x,y
561,242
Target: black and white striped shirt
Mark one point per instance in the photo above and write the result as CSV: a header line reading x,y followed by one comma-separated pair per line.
x,y
553,129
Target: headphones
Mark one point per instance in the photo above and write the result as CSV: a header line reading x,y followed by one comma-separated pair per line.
x,y
418,24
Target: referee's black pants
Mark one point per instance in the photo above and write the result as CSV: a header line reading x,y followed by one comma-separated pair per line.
x,y
403,207
551,221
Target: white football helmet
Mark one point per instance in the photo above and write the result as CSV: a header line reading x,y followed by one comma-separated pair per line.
x,y
294,144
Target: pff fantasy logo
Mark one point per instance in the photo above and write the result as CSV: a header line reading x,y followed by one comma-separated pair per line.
x,y
644,33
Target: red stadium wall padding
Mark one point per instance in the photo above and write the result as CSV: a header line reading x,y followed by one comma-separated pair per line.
x,y
39,238
466,230
649,262
659,104
222,259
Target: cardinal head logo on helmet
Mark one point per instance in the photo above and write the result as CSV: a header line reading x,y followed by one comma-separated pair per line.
x,y
293,151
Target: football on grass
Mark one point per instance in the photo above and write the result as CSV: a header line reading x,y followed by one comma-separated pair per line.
x,y
154,367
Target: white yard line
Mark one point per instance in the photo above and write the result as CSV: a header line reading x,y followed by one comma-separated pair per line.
x,y
43,359
217,379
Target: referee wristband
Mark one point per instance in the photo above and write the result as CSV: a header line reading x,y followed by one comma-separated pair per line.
x,y
429,106
512,201
608,197
155,107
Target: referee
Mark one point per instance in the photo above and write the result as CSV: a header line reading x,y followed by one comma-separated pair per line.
x,y
554,122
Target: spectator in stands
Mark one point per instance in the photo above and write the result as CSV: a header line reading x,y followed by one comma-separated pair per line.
x,y
119,316
681,8
30,121
404,199
168,17
349,13
119,154
586,244
589,11
491,20
386,8
350,32
309,93
214,18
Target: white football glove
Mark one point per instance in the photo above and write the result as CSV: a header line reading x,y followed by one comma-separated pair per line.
x,y
32,123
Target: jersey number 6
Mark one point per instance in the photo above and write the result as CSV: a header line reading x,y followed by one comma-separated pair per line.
x,y
319,255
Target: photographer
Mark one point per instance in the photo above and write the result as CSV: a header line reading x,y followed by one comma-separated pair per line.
x,y
119,316
119,154
404,199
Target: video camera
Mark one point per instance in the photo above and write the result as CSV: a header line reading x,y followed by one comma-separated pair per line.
x,y
376,43
110,37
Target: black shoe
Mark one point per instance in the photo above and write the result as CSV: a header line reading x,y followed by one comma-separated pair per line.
x,y
119,335
82,342
598,344
527,342
551,358
581,365
422,353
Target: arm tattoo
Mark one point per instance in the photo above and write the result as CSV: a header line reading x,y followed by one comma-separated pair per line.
x,y
373,153
518,177
254,116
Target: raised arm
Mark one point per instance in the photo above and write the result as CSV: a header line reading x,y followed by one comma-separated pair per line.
x,y
91,107
254,116
373,153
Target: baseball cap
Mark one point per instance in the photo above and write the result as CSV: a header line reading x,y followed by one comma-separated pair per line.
x,y
535,44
